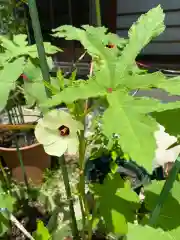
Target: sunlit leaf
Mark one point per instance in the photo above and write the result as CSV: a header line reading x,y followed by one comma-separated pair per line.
x,y
138,232
73,93
117,203
128,117
8,76
168,218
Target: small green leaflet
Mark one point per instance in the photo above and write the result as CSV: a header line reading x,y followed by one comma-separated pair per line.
x,y
19,47
171,85
8,76
117,203
42,232
82,34
138,232
148,26
143,81
73,93
94,41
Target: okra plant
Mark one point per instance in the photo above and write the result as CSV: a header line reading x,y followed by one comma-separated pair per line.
x,y
128,125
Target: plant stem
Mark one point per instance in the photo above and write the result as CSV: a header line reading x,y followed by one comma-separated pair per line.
x,y
39,42
74,227
90,225
82,147
22,164
98,12
165,191
5,175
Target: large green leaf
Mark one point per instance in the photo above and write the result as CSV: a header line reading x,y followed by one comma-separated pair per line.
x,y
170,120
168,218
138,232
128,117
117,203
8,76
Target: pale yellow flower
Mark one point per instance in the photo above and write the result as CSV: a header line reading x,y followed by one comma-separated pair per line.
x,y
57,132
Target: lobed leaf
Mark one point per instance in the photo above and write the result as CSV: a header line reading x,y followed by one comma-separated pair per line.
x,y
128,117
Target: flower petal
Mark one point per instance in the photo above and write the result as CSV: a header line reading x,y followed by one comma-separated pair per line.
x,y
57,148
45,135
55,118
73,145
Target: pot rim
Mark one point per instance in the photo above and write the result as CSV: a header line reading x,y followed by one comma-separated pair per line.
x,y
21,148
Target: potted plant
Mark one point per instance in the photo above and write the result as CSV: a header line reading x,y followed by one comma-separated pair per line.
x,y
18,72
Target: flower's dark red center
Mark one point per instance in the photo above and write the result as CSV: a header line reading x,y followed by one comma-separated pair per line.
x,y
64,131
110,45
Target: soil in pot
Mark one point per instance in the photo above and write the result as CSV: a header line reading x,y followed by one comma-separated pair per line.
x,y
35,160
28,216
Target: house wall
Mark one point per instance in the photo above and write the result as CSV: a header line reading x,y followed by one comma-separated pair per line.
x,y
167,43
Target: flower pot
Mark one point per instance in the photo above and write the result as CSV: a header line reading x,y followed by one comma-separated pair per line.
x,y
35,162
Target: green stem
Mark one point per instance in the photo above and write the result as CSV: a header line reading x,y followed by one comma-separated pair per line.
x,y
39,42
22,164
165,191
98,12
82,147
90,225
83,216
5,175
74,227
